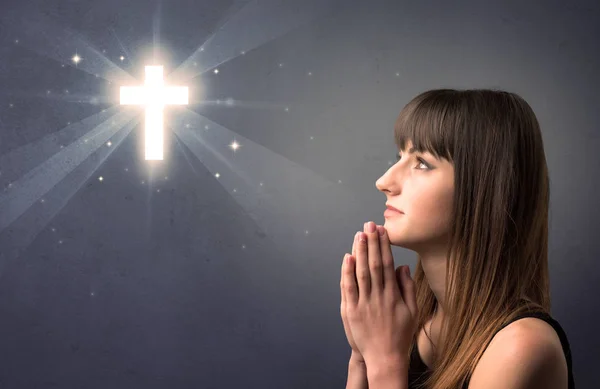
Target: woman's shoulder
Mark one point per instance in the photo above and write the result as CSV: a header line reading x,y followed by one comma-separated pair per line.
x,y
527,341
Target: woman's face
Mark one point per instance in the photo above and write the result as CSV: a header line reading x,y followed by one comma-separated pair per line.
x,y
423,188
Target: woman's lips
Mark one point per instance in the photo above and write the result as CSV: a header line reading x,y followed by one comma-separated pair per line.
x,y
389,212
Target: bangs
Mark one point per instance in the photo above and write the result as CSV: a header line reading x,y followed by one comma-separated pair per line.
x,y
431,122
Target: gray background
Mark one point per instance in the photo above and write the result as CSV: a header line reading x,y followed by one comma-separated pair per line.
x,y
129,287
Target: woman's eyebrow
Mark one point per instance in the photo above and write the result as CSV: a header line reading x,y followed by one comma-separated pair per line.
x,y
413,149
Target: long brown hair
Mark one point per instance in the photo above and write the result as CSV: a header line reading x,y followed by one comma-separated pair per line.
x,y
498,239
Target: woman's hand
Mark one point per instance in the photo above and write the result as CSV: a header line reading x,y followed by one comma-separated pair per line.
x,y
379,307
356,356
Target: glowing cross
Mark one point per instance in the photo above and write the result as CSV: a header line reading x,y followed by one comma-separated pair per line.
x,y
154,95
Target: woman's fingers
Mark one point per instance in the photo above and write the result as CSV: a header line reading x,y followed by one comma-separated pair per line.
x,y
363,273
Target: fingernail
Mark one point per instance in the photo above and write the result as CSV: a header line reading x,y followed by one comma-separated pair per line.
x,y
371,227
407,270
380,229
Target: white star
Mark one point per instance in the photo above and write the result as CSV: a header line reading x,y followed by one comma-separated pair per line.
x,y
109,143
217,175
216,71
100,178
122,58
235,145
76,58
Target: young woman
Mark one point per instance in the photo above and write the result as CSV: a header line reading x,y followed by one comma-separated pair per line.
x,y
471,193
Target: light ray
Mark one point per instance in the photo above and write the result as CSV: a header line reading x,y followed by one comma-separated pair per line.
x,y
28,189
240,33
15,240
129,57
37,32
280,195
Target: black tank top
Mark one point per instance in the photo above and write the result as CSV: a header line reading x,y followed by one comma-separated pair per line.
x,y
418,370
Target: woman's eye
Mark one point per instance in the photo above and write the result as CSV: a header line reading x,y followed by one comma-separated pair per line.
x,y
418,159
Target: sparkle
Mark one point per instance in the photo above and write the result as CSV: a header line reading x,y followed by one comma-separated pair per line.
x,y
142,182
206,127
217,175
42,201
202,49
100,178
339,181
216,71
187,125
234,190
53,229
243,246
109,143
167,177
76,58
397,74
63,65
158,190
261,184
60,242
11,105
280,65
310,73
234,145
47,92
16,41
287,109
122,58
126,169
312,137
243,52
92,294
